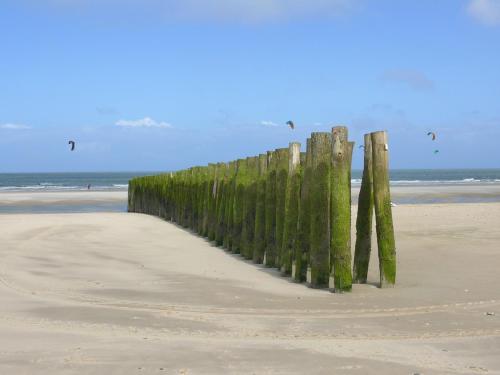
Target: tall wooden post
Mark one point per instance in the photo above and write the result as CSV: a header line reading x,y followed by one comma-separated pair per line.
x,y
304,225
281,181
248,228
208,197
238,207
270,256
228,209
340,261
260,212
291,208
220,202
321,148
365,217
383,212
212,207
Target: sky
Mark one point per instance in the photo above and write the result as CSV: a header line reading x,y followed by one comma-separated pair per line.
x,y
153,85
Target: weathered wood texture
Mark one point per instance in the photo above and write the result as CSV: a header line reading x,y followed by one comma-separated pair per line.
x,y
383,211
364,219
260,212
292,200
302,244
340,258
321,149
270,224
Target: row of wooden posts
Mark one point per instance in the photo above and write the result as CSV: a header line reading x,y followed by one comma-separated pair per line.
x,y
286,209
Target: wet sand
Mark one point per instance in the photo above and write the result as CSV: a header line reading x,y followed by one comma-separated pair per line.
x,y
118,293
63,201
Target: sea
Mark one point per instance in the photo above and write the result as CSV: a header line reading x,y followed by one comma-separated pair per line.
x,y
408,186
115,181
68,181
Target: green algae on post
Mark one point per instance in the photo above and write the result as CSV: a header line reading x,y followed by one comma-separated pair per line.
x,y
281,181
291,209
260,212
383,212
248,228
321,150
228,209
304,224
340,257
270,223
364,219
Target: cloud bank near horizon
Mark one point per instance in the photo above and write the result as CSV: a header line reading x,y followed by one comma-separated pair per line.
x,y
14,126
146,122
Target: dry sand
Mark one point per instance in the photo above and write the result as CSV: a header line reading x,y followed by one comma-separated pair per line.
x,y
118,293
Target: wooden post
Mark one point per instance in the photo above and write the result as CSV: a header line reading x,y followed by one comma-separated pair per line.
x,y
248,228
130,196
340,258
270,255
365,217
238,206
383,213
304,225
219,205
291,208
228,209
212,205
260,212
281,181
321,149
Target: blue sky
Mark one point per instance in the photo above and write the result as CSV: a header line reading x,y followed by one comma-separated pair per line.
x,y
161,85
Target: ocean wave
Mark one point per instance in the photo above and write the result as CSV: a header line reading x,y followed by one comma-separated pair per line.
x,y
62,187
465,181
50,184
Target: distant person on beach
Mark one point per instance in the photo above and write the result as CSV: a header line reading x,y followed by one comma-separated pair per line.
x,y
88,187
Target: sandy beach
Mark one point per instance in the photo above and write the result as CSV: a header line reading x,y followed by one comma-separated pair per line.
x,y
119,293
63,201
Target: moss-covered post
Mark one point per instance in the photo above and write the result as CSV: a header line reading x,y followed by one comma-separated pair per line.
x,y
321,150
301,257
212,207
291,209
260,212
281,181
238,205
270,255
228,209
221,202
131,199
340,257
248,228
364,219
383,212
207,197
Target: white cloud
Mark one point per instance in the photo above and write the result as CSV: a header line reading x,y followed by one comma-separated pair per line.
x,y
485,11
15,126
268,123
415,79
146,122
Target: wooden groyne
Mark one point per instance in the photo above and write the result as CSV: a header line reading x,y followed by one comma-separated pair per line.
x,y
286,209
